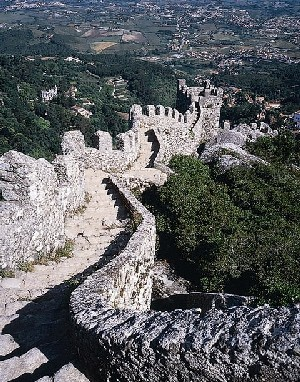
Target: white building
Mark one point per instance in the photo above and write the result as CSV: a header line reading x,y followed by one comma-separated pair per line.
x,y
48,95
296,119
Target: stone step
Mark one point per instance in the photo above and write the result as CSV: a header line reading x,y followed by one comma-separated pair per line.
x,y
14,367
35,320
7,344
68,373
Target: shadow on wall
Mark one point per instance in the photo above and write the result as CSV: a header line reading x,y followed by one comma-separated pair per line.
x,y
154,147
113,193
201,301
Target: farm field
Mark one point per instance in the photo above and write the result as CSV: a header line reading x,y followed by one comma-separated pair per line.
x,y
101,45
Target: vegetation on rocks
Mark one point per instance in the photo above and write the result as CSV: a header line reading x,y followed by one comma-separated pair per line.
x,y
284,148
235,232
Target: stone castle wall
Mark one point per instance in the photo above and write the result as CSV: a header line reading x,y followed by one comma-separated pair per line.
x,y
217,338
181,132
104,156
117,334
36,195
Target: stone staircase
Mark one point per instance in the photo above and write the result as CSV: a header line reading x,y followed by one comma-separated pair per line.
x,y
35,340
142,168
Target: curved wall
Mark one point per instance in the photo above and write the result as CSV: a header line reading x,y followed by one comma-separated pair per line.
x,y
122,340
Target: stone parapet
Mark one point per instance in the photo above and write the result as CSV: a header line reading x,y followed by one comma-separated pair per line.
x,y
104,157
36,195
126,280
220,338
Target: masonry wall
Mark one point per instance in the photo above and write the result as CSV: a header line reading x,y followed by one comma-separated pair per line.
x,y
121,339
104,156
180,131
36,195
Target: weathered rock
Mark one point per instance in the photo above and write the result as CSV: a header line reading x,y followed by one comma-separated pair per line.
x,y
7,344
69,373
238,344
166,282
227,147
37,195
14,367
45,379
11,282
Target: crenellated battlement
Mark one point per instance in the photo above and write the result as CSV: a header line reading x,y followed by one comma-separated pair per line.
x,y
50,190
180,130
161,114
206,89
206,337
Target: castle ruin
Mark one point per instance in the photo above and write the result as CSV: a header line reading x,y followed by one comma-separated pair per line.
x,y
117,334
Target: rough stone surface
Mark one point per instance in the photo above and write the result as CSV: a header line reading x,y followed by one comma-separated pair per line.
x,y
104,158
7,344
14,367
233,345
126,281
34,306
166,282
69,373
227,147
216,338
37,195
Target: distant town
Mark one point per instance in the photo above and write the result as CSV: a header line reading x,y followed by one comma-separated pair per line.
x,y
222,34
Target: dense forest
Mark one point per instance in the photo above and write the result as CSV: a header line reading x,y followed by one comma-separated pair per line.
x,y
238,231
34,127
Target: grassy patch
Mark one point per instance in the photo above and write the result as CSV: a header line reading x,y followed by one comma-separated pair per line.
x,y
101,45
7,272
65,251
43,259
82,208
26,266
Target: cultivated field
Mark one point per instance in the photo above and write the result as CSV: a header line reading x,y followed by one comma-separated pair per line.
x,y
101,45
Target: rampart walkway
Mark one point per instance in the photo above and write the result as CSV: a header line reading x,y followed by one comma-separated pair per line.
x,y
35,340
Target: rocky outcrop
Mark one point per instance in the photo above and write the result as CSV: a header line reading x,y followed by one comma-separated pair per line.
x,y
36,196
227,148
166,282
